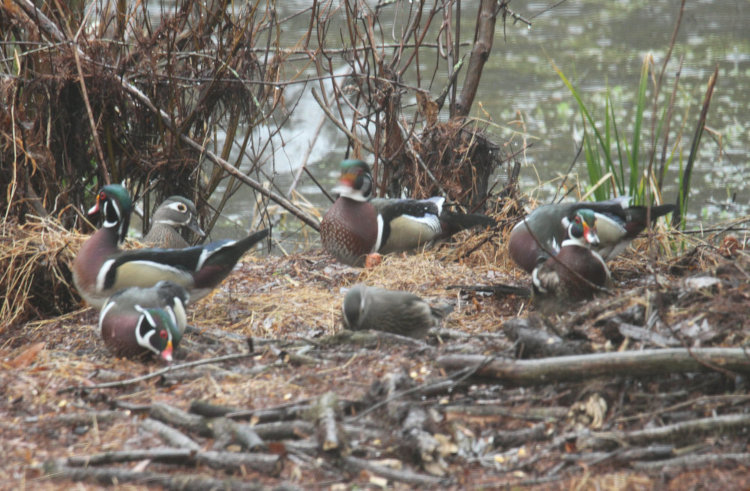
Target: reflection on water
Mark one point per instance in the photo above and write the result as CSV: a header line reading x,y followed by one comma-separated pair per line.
x,y
597,45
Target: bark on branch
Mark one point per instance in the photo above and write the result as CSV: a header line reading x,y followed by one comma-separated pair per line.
x,y
582,367
485,33
110,476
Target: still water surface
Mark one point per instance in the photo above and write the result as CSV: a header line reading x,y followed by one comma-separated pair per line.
x,y
598,45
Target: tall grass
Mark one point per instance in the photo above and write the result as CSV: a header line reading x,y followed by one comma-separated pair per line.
x,y
617,165
613,164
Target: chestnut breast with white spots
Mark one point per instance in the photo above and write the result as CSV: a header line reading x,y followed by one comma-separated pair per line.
x,y
349,230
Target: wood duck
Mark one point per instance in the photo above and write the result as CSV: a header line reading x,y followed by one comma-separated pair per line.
x,y
576,271
101,268
137,321
617,225
357,224
174,214
399,312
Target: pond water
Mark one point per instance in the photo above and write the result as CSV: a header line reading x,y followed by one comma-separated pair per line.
x,y
598,45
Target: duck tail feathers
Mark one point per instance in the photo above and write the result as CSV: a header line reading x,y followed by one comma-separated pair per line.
x,y
455,222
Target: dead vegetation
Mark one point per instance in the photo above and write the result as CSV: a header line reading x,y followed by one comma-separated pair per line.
x,y
643,388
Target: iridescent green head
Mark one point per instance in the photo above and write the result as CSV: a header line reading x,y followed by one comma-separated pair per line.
x,y
114,205
584,226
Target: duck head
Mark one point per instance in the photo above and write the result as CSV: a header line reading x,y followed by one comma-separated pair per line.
x,y
114,205
355,181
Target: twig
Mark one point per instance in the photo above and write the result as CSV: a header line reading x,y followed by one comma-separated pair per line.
x,y
158,373
51,30
443,385
306,157
339,124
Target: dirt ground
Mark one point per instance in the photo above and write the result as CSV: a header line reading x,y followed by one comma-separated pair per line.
x,y
303,404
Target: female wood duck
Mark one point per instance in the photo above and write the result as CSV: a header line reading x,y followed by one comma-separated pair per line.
x,y
101,268
576,271
137,321
617,225
357,225
367,307
174,214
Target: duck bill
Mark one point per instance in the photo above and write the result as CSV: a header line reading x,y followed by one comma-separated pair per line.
x,y
589,233
94,210
346,183
193,225
166,355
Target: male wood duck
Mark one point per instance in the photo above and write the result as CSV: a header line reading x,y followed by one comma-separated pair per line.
x,y
357,225
367,307
174,214
101,268
576,271
137,321
617,225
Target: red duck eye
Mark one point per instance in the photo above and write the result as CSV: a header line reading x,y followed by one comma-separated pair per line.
x,y
163,334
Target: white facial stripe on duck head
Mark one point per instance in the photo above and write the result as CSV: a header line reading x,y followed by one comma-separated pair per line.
x,y
111,213
178,312
104,311
145,330
179,208
113,216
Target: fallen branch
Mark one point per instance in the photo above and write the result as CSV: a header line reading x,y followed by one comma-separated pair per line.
x,y
266,463
116,476
399,475
517,438
693,462
534,342
86,418
327,423
158,373
284,429
109,477
284,412
170,435
226,431
728,423
179,418
617,364
163,455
